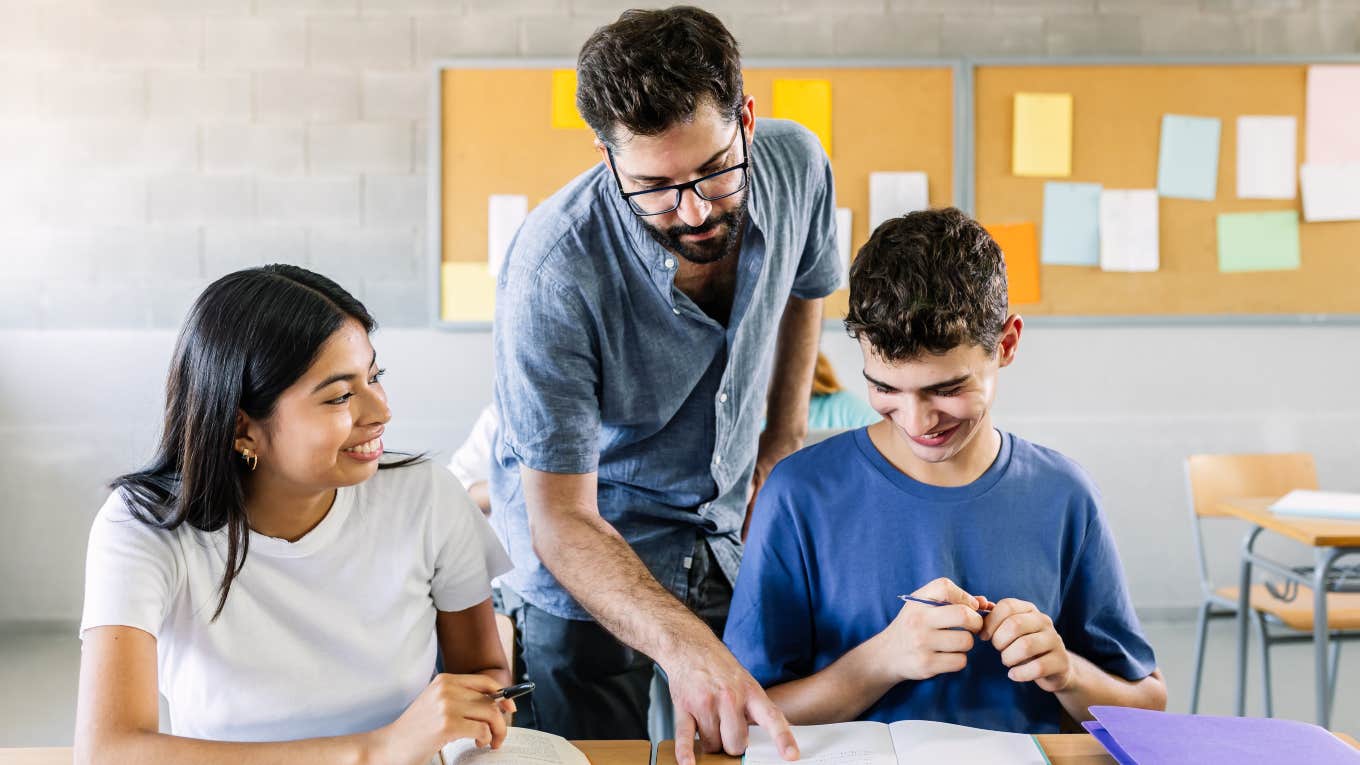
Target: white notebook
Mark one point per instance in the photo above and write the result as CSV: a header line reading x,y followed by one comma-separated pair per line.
x,y
1319,504
522,747
906,742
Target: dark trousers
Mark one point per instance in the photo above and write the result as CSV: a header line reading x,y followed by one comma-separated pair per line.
x,y
591,686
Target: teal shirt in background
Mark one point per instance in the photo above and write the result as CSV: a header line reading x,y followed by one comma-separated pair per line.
x,y
840,411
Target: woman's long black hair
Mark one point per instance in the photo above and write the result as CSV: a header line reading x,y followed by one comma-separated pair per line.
x,y
248,337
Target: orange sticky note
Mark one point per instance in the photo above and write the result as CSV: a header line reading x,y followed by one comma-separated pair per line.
x,y
1019,244
564,114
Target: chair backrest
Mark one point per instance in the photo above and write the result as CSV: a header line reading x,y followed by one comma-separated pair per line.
x,y
1216,477
1212,478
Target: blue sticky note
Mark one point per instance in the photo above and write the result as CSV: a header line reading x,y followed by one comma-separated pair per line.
x,y
1187,164
1267,241
1071,224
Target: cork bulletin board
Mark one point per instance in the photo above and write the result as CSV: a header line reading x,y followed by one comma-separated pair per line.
x,y
1115,132
495,134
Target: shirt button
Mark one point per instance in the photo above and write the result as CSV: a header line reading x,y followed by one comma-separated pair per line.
x,y
722,398
717,459
670,263
675,311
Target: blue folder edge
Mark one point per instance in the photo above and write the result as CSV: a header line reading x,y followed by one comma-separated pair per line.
x,y
1106,740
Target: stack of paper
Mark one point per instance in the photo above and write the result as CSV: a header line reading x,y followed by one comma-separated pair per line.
x,y
1144,737
1319,504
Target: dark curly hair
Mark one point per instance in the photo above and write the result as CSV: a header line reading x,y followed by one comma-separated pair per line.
x,y
928,282
653,69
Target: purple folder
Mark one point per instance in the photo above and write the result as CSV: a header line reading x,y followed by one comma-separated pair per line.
x,y
1106,740
1144,737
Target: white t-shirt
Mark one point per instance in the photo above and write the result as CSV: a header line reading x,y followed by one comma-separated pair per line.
x,y
329,635
472,462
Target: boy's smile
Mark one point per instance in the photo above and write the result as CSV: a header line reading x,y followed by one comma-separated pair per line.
x,y
937,424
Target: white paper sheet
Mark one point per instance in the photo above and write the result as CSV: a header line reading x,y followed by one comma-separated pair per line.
x,y
928,741
844,219
1128,230
1267,157
1319,504
504,214
1331,192
852,743
521,747
895,194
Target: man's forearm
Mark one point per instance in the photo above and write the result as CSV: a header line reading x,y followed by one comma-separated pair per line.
x,y
1094,686
600,570
800,331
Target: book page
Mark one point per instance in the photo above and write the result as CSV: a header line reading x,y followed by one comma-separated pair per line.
x,y
522,747
923,741
851,743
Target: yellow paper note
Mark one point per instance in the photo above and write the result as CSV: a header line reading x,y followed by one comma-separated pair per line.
x,y
807,102
1043,135
469,292
564,114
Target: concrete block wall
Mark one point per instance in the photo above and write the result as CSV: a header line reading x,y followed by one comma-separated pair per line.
x,y
148,146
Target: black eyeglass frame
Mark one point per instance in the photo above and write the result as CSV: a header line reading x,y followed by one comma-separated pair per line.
x,y
679,188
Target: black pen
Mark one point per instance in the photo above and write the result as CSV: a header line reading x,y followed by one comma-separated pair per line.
x,y
513,691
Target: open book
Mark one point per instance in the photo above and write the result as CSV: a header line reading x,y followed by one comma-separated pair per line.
x,y
906,742
522,747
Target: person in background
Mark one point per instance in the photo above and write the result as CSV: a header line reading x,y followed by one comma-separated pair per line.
x,y
471,462
832,407
271,575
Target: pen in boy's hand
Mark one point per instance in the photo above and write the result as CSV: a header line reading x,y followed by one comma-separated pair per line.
x,y
909,598
513,691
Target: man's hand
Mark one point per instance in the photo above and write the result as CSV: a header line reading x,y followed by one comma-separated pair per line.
x,y
718,699
773,448
1029,645
924,641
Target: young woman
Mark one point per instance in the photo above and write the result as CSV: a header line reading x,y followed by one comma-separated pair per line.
x,y
279,584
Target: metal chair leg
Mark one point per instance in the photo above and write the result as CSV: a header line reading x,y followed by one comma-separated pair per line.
x,y
1336,660
1200,637
1264,639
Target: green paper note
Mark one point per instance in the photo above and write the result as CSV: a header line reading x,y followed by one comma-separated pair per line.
x,y
1258,241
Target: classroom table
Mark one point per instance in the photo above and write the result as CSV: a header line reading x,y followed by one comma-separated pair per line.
x,y
1060,748
598,752
1330,540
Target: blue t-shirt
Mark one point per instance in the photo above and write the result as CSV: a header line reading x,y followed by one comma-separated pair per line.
x,y
838,533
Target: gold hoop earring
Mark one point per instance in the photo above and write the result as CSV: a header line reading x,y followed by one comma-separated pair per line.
x,y
252,459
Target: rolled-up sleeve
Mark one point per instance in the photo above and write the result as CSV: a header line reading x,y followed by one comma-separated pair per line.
x,y
819,268
547,373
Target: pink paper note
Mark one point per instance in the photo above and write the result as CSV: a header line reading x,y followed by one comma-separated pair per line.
x,y
1332,129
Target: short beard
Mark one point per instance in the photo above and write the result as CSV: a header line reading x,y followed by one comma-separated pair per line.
x,y
709,250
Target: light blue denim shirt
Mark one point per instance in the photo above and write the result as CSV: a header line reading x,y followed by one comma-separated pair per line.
x,y
603,365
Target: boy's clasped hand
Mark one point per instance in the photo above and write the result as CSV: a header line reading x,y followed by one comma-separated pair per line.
x,y
924,641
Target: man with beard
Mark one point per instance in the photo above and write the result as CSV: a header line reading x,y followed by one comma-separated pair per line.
x,y
652,317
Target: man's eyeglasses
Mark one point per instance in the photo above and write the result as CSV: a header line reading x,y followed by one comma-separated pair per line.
x,y
711,187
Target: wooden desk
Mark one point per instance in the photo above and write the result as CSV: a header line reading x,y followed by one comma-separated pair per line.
x,y
599,753
1061,749
1330,540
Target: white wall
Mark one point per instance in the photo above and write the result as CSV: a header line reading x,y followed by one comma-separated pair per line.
x,y
147,146
77,408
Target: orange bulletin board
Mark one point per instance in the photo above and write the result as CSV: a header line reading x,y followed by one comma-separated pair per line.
x,y
496,136
1117,113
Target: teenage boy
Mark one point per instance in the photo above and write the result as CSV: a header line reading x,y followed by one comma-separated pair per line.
x,y
935,502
